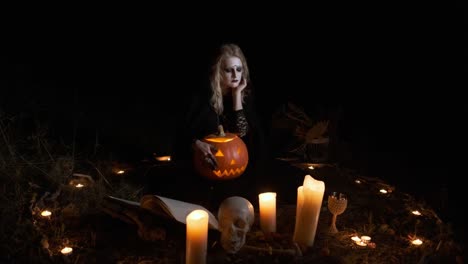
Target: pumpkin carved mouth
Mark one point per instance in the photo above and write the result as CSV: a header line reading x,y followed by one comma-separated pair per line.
x,y
229,173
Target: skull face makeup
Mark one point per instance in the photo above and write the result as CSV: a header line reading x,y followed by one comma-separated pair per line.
x,y
235,216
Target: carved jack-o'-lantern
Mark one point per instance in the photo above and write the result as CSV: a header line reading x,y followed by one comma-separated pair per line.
x,y
232,157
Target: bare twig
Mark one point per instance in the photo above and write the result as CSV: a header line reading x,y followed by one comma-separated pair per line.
x,y
102,176
5,138
270,250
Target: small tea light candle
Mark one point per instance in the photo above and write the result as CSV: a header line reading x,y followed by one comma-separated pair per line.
x,y
383,191
46,213
365,239
163,158
360,243
416,242
267,202
311,167
416,212
355,239
79,185
197,237
66,250
120,172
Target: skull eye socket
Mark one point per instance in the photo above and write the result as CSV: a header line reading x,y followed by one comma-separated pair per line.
x,y
240,223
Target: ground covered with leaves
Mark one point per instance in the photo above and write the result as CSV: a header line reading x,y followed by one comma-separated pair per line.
x,y
38,175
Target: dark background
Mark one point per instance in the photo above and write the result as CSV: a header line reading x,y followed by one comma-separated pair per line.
x,y
396,74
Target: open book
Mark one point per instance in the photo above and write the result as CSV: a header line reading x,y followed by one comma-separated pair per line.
x,y
168,208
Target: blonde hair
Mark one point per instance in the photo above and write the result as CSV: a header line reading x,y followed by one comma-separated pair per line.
x,y
226,51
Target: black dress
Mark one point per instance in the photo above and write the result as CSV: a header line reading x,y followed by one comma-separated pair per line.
x,y
200,120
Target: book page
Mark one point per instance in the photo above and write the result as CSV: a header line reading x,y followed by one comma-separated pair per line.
x,y
174,208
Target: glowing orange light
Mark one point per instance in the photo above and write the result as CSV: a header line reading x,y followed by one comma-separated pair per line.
x,y
383,191
365,239
79,185
66,250
120,172
360,243
163,158
416,212
46,213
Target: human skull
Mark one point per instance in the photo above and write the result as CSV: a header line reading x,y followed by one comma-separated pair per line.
x,y
235,217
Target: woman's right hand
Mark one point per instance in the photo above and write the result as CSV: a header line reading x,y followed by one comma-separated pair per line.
x,y
207,153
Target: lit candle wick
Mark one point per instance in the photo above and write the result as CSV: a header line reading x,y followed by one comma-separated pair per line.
x,y
417,242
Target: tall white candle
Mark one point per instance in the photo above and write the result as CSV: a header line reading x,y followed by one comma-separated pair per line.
x,y
309,202
197,237
267,202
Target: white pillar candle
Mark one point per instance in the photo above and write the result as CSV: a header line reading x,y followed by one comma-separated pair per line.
x,y
309,202
267,203
197,237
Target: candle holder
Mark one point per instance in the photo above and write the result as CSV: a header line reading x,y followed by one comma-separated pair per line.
x,y
337,203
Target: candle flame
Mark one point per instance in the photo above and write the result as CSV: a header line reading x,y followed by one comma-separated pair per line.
x,y
79,185
357,181
46,213
417,242
66,250
383,191
355,239
120,172
416,212
311,167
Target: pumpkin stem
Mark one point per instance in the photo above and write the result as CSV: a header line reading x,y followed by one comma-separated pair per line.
x,y
221,131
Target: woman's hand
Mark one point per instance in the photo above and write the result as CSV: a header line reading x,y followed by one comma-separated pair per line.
x,y
206,151
240,87
237,95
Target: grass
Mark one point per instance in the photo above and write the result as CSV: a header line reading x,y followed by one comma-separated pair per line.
x,y
36,173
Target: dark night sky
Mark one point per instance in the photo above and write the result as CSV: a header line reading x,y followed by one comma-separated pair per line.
x,y
391,71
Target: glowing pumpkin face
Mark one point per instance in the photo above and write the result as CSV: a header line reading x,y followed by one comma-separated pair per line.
x,y
232,157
